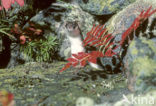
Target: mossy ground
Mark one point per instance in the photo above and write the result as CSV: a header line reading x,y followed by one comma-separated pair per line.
x,y
41,84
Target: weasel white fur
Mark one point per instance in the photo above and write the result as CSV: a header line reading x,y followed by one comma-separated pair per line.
x,y
75,37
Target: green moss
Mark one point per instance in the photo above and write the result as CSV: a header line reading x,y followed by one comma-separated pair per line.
x,y
134,51
106,4
151,44
100,5
112,8
34,81
144,66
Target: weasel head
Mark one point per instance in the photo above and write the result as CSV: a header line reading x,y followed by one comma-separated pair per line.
x,y
73,29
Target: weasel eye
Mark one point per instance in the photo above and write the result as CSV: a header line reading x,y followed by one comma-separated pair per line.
x,y
74,25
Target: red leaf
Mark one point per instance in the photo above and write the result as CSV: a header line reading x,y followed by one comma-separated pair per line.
x,y
71,59
101,33
91,31
100,27
96,54
94,43
87,38
83,63
10,97
65,67
75,63
106,36
95,29
125,34
20,2
94,35
82,53
89,41
92,60
147,12
100,44
110,38
7,3
136,23
109,53
152,13
109,45
89,34
75,55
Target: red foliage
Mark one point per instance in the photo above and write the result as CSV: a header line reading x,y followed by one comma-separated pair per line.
x,y
98,36
22,39
7,3
10,96
141,18
29,33
6,98
81,58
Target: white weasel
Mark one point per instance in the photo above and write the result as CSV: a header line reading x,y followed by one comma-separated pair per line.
x,y
75,37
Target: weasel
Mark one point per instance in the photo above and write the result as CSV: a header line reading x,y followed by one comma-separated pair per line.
x,y
76,39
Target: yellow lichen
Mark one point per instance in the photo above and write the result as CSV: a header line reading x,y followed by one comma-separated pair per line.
x,y
151,44
134,51
144,65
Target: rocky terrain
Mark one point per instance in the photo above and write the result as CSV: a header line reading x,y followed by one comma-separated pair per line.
x,y
39,83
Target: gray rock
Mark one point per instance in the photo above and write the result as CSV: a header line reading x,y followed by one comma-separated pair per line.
x,y
54,18
103,7
140,65
16,57
84,101
148,99
120,22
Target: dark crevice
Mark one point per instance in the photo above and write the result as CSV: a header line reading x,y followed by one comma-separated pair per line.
x,y
5,55
102,19
42,4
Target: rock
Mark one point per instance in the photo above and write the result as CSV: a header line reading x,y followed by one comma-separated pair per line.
x,y
10,55
114,95
67,1
140,64
121,21
54,18
40,84
147,99
84,101
16,56
10,52
104,7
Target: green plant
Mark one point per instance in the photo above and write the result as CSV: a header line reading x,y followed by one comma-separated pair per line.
x,y
5,28
7,21
9,18
40,50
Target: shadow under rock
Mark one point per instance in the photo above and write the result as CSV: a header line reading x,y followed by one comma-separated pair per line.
x,y
5,55
90,75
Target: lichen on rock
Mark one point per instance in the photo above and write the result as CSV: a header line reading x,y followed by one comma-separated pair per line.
x,y
140,62
104,7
